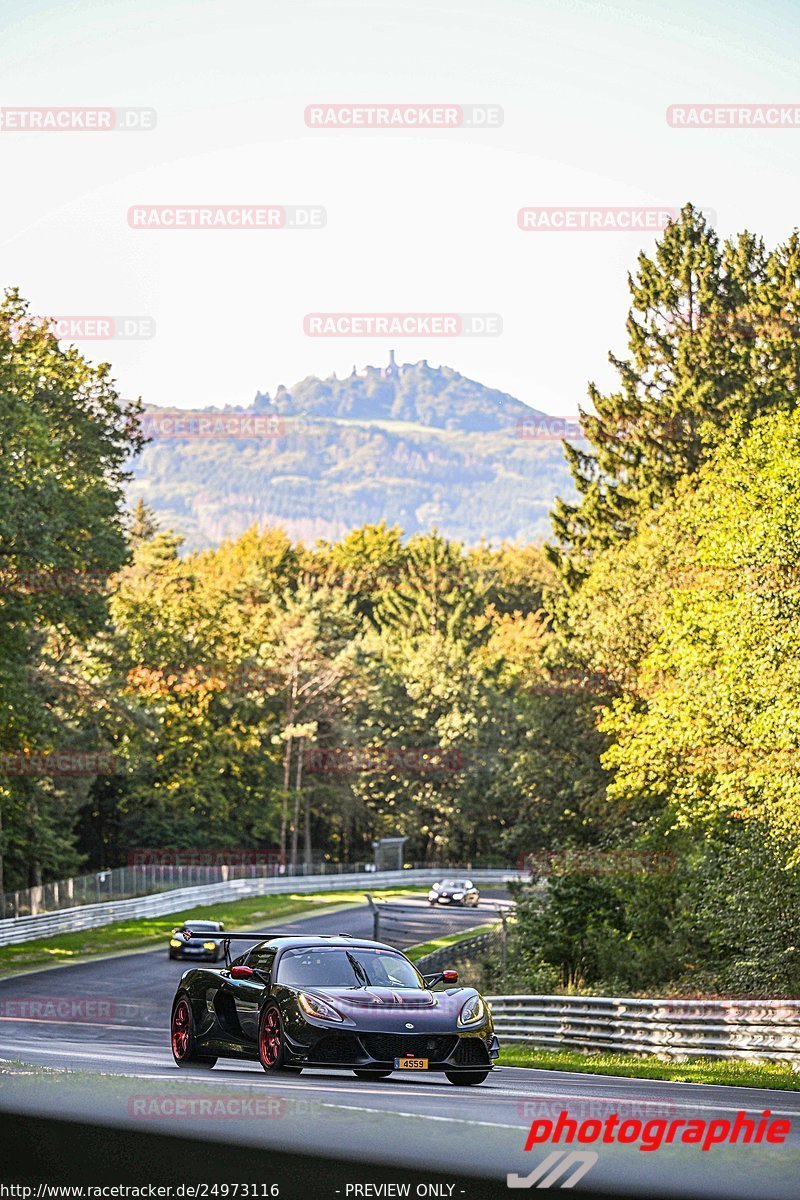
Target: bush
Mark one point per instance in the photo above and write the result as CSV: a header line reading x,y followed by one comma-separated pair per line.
x,y
723,921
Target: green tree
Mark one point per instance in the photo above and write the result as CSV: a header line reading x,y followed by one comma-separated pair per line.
x,y
712,335
67,436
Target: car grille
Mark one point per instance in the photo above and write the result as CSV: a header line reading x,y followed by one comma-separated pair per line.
x,y
472,1052
337,1048
385,1047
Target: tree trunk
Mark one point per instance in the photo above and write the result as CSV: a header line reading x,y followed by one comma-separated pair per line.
x,y
298,783
307,830
2,881
35,866
287,764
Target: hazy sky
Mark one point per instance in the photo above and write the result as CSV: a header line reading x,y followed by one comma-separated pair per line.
x,y
416,221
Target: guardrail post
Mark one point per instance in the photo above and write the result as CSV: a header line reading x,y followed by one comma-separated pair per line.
x,y
376,918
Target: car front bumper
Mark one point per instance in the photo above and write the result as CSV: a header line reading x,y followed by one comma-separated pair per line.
x,y
461,1050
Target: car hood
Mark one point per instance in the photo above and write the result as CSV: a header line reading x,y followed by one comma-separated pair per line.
x,y
389,1009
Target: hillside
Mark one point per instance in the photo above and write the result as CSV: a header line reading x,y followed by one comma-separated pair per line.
x,y
418,445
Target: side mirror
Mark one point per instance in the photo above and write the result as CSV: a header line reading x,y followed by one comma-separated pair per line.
x,y
440,977
242,973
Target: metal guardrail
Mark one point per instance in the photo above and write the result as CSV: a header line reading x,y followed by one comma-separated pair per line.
x,y
465,948
123,883
25,929
391,914
756,1030
144,878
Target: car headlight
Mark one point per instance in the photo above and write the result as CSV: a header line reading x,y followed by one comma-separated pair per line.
x,y
458,895
314,1007
473,1011
175,942
209,945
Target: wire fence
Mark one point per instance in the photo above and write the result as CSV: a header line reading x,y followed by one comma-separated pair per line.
x,y
124,883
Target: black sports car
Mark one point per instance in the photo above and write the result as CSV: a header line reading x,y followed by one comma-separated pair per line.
x,y
294,1002
454,891
206,945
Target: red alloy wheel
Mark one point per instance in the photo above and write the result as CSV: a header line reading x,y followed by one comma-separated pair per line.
x,y
181,1025
270,1038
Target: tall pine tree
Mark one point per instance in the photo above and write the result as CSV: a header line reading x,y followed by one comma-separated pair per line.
x,y
711,338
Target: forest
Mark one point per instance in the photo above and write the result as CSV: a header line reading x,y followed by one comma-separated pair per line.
x,y
619,704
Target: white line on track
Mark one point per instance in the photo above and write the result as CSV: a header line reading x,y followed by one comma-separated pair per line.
x,y
540,1094
410,1090
420,1116
83,1024
97,1056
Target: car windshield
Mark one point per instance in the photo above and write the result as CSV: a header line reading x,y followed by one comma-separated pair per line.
x,y
337,966
455,884
203,926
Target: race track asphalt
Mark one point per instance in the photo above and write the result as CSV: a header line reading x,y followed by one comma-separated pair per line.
x,y
99,1049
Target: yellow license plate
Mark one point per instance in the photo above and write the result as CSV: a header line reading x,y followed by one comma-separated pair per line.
x,y
411,1064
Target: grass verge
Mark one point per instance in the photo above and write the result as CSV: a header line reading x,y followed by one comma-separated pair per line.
x,y
140,932
419,951
697,1070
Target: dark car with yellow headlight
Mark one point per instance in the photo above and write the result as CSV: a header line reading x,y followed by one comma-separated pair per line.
x,y
207,947
292,1002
